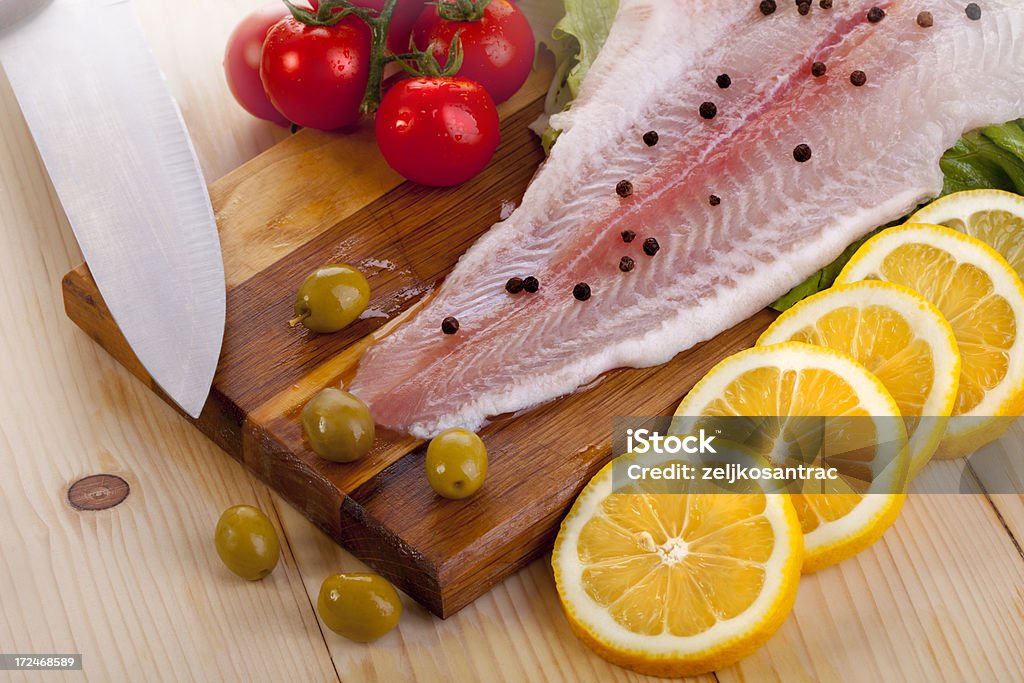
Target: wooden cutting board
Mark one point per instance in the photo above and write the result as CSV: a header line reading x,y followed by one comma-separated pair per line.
x,y
319,198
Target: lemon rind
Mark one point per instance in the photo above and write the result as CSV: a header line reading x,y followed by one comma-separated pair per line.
x,y
1007,398
963,205
666,654
836,540
924,318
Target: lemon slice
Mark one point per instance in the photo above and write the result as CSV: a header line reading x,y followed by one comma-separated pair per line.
x,y
676,584
792,386
898,336
993,216
982,298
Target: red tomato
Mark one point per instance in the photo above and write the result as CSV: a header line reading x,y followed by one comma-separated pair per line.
x,y
406,13
438,131
242,62
316,75
499,48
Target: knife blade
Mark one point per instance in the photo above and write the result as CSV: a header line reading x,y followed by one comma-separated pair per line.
x,y
120,158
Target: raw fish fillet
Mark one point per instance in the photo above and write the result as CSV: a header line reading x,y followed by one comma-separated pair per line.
x,y
875,153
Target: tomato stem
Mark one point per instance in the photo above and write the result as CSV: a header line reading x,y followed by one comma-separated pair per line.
x,y
378,57
461,10
426,64
325,14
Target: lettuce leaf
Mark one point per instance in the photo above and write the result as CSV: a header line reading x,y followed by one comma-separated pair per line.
x,y
992,157
576,40
989,158
587,24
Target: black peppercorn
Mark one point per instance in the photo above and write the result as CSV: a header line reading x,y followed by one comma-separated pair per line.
x,y
819,69
768,7
450,325
876,14
802,153
531,285
626,264
514,285
708,110
925,20
715,200
651,246
724,81
581,291
858,78
628,236
973,11
651,138
624,189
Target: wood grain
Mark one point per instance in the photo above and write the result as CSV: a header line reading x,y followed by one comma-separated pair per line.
x,y
146,595
445,554
420,231
915,607
514,633
137,589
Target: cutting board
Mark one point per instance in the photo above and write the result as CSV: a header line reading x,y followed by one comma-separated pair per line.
x,y
320,198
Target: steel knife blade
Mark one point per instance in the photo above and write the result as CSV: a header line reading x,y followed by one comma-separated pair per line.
x,y
120,158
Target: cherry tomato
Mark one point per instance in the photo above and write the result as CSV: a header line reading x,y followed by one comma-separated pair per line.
x,y
242,62
405,15
438,131
316,75
499,49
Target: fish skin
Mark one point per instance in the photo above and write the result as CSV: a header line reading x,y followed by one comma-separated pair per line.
x,y
876,152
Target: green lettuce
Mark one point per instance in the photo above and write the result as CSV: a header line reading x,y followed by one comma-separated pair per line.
x,y
992,157
586,26
576,40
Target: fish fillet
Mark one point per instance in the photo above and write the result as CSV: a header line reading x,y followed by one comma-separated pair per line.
x,y
875,153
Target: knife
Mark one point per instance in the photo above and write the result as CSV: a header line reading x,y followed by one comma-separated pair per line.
x,y
121,160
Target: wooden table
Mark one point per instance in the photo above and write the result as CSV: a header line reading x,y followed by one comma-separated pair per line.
x,y
139,590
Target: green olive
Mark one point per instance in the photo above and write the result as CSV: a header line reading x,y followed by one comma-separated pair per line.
x,y
338,426
361,607
331,299
246,542
456,463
